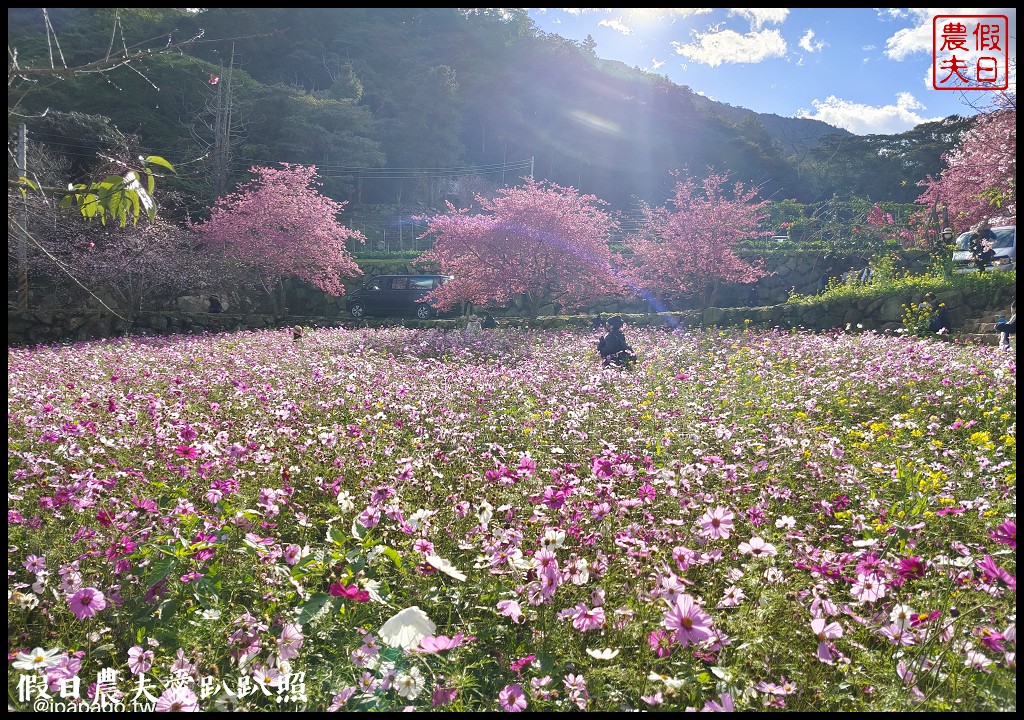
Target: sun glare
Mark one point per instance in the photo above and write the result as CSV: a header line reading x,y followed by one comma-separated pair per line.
x,y
595,122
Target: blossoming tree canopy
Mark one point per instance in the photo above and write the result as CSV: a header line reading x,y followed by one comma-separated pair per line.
x,y
281,225
688,248
539,242
980,178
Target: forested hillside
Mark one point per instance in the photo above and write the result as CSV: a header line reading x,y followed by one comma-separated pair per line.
x,y
411,106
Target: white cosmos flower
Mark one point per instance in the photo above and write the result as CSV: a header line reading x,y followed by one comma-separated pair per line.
x,y
553,539
345,501
372,587
670,682
603,653
485,512
38,658
442,564
409,684
407,628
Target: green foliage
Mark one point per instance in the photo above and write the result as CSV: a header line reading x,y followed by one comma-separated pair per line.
x,y
918,318
381,255
887,280
119,197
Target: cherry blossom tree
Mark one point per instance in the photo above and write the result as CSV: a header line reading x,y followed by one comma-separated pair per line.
x,y
538,243
687,247
980,178
281,226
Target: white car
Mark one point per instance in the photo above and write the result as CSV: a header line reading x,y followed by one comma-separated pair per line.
x,y
1004,248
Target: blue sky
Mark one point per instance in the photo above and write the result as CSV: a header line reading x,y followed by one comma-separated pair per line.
x,y
868,70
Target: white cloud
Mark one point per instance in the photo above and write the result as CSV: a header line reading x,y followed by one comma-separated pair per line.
x,y
760,16
727,46
918,38
617,26
861,119
909,41
808,43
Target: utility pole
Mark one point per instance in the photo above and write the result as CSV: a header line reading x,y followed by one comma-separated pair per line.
x,y
22,242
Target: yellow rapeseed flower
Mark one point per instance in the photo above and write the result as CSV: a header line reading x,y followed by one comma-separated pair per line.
x,y
982,437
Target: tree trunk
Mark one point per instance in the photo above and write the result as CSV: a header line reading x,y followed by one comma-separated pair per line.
x,y
283,298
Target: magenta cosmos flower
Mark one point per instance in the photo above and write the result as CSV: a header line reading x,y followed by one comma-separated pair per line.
x,y
1005,534
512,698
87,602
690,623
352,592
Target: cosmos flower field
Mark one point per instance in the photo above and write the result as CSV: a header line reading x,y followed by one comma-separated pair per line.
x,y
390,519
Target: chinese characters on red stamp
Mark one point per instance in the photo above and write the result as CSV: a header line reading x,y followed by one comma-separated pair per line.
x,y
970,52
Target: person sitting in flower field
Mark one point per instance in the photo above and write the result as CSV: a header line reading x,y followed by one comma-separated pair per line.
x,y
613,347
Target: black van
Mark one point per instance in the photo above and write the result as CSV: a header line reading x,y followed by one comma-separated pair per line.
x,y
395,296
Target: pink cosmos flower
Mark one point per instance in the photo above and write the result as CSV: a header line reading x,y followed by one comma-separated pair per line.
x,y
758,547
688,620
724,706
654,699
369,517
139,661
576,690
991,639
177,698
34,564
440,643
660,642
868,588
66,668
898,635
825,630
717,524
86,602
292,554
512,698
585,618
443,696
341,699
511,609
290,641
733,596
